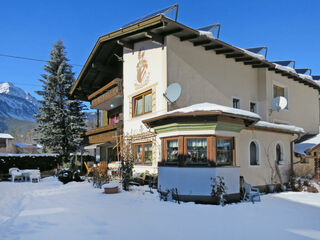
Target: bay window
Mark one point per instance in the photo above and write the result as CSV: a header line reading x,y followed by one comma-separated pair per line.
x,y
224,151
196,150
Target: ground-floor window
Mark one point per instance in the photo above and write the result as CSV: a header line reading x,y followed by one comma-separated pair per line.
x,y
198,150
224,151
279,154
254,153
172,154
143,153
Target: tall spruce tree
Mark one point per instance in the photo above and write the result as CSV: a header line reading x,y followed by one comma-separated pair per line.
x,y
60,119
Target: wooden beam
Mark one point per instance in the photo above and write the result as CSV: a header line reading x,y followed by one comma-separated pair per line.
x,y
212,47
252,62
285,74
127,45
201,42
224,51
188,37
234,55
156,38
173,31
263,65
243,59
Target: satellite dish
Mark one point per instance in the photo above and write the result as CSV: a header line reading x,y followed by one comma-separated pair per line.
x,y
279,103
173,92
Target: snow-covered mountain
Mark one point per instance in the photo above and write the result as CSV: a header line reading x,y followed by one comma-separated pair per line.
x,y
17,103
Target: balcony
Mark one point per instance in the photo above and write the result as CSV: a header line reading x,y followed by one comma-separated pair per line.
x,y
108,97
104,134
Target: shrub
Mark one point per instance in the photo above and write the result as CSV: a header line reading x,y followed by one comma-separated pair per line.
x,y
218,189
43,162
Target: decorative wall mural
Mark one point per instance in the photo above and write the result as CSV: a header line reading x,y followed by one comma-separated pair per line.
x,y
143,76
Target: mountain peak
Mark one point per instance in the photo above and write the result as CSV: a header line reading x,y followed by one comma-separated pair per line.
x,y
17,103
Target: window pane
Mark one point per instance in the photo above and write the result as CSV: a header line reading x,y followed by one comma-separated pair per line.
x,y
138,154
252,107
279,154
148,154
196,151
138,106
281,91
148,103
253,154
172,150
275,93
224,151
236,103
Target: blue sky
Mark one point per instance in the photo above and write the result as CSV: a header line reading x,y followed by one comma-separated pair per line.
x,y
290,29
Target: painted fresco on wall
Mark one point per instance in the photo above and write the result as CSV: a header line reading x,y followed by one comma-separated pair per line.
x,y
143,76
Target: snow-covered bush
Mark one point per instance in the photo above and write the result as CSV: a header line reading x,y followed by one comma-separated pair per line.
x,y
66,175
218,189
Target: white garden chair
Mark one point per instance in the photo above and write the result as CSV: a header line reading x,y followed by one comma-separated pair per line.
x,y
35,176
250,193
15,174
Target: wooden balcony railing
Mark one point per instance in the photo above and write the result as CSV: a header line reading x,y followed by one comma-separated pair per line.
x,y
104,134
112,89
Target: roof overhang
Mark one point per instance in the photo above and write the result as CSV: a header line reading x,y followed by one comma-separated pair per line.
x,y
159,26
196,116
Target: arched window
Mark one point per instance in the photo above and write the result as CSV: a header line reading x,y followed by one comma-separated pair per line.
x,y
279,154
254,153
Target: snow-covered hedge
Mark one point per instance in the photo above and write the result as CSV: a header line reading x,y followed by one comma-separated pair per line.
x,y
44,162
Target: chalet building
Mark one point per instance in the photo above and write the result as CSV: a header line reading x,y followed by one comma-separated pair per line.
x,y
5,143
222,124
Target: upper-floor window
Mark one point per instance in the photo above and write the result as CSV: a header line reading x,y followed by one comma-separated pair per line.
x,y
253,107
278,91
236,103
142,103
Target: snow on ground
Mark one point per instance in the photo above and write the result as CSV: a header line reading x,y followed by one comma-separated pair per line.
x,y
51,210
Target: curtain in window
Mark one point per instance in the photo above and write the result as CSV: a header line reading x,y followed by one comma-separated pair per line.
x,y
224,151
148,103
138,153
253,154
196,151
172,150
138,106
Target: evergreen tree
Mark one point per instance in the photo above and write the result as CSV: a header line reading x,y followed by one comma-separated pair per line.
x,y
60,119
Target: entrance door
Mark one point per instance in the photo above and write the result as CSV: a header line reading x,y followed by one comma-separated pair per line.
x,y
112,155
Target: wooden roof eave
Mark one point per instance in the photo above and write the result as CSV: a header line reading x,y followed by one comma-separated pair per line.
x,y
160,19
116,34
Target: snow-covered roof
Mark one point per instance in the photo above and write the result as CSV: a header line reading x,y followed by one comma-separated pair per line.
x,y
29,154
255,55
281,127
211,107
207,34
24,145
6,135
306,145
284,68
